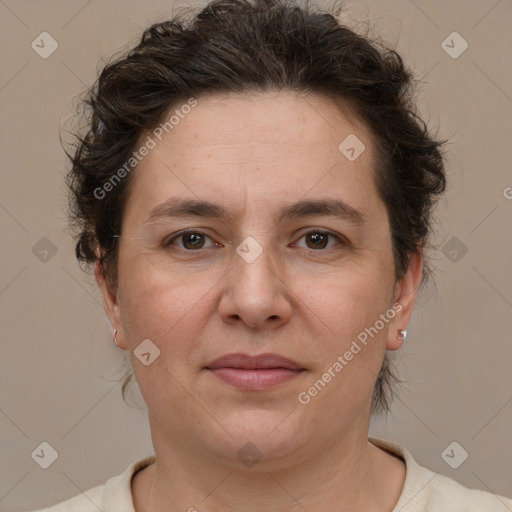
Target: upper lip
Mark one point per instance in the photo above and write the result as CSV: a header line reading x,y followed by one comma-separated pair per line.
x,y
248,362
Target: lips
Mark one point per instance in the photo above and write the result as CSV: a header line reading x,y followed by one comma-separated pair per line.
x,y
248,362
254,373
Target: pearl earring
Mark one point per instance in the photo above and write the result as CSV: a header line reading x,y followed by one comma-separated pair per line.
x,y
402,334
114,336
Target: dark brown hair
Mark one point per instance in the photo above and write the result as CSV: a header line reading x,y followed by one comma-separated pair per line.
x,y
244,46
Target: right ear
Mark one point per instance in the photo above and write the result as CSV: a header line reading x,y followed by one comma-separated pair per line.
x,y
110,301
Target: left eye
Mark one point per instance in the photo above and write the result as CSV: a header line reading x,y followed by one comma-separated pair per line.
x,y
319,239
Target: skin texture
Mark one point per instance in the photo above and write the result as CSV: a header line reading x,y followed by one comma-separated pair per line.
x,y
252,155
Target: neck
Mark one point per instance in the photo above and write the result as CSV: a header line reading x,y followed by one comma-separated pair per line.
x,y
350,475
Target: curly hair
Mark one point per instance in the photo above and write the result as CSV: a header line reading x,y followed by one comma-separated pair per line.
x,y
245,46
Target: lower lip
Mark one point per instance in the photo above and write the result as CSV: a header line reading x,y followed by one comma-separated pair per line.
x,y
255,379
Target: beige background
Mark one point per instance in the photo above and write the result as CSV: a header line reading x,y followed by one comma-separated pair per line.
x,y
58,364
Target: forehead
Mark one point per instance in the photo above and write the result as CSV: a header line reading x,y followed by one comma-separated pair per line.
x,y
271,117
260,147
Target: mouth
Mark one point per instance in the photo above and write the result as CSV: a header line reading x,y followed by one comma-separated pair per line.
x,y
254,372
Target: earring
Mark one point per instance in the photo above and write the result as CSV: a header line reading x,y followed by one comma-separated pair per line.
x,y
402,334
114,336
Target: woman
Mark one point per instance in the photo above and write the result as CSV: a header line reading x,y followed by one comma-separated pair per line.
x,y
255,191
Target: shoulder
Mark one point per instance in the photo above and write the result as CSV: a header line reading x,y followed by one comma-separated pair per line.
x,y
448,495
114,494
89,501
427,491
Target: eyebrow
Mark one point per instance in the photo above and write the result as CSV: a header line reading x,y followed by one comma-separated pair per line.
x,y
183,208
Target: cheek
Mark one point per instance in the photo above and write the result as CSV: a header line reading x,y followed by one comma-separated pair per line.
x,y
350,343
169,308
169,312
348,311
348,302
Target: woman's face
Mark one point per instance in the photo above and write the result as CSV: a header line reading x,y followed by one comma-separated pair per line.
x,y
267,270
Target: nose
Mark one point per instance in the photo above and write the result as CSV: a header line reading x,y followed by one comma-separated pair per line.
x,y
257,293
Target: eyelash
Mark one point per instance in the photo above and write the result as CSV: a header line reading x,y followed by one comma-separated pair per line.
x,y
169,242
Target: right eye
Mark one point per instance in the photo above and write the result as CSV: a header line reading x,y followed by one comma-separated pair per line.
x,y
191,240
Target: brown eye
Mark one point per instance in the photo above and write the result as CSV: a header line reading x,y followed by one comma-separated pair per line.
x,y
317,240
191,240
320,239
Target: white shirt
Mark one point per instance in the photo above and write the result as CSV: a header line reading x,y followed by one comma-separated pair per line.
x,y
423,491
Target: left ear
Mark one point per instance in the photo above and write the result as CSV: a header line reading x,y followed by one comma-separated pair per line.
x,y
406,291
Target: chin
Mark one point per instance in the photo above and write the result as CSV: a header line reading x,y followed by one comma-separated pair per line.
x,y
266,439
